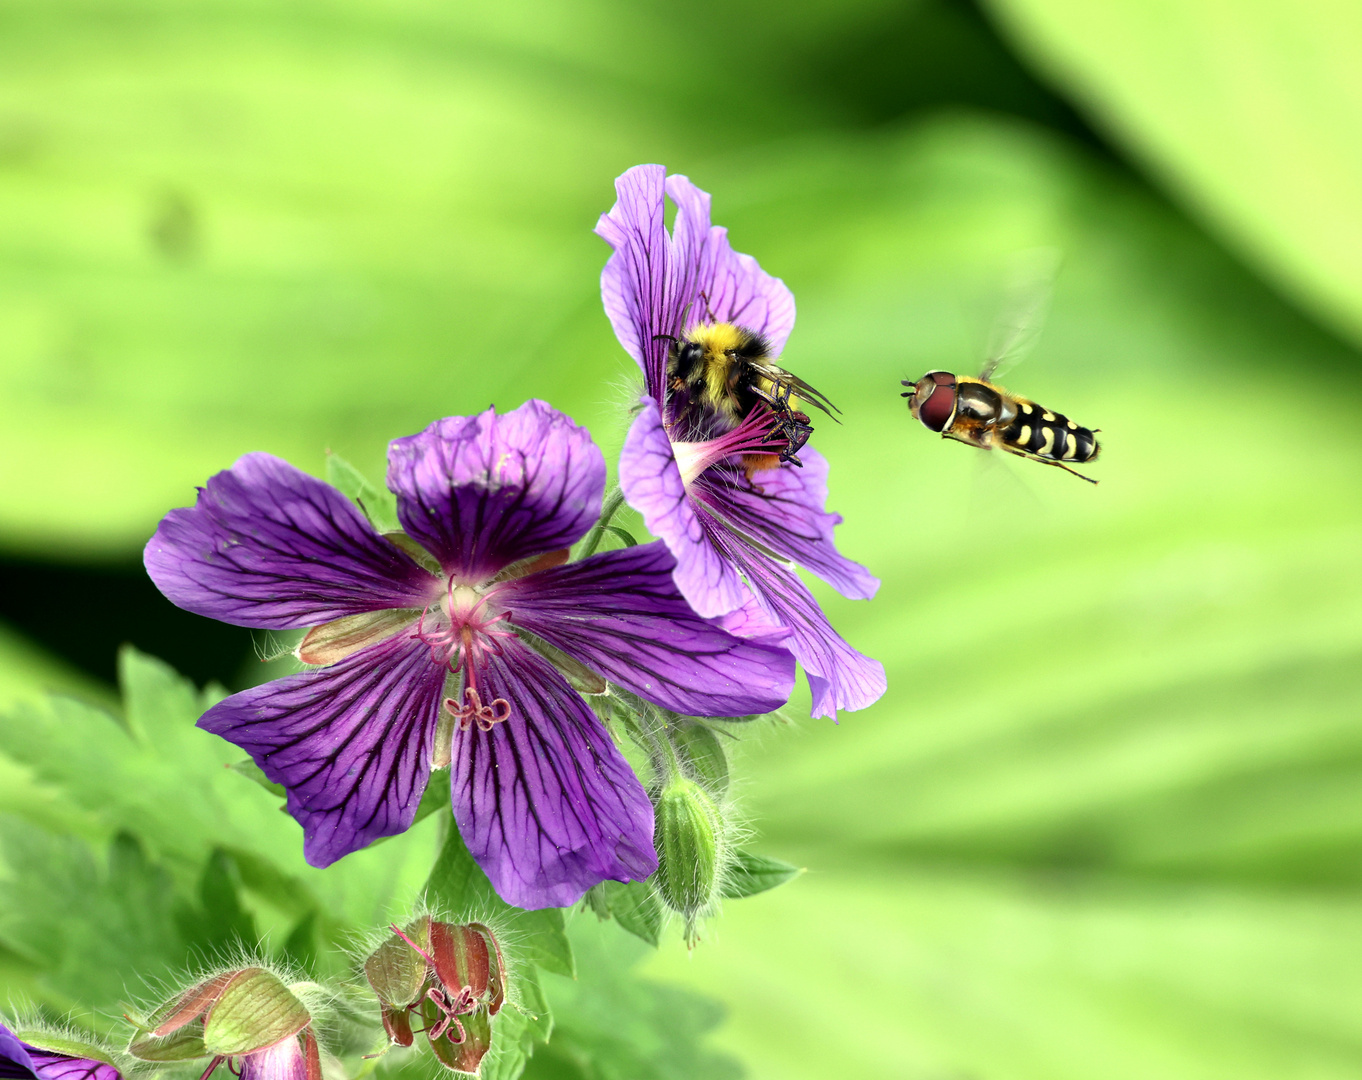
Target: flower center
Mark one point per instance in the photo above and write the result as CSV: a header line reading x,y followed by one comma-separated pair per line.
x,y
461,634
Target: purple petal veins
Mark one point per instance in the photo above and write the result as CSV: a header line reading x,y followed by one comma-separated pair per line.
x,y
268,546
20,1061
351,742
620,614
545,802
481,492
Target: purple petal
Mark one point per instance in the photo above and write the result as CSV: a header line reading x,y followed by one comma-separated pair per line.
x,y
268,546
49,1066
351,742
782,509
640,297
652,484
545,802
620,614
16,1062
839,677
282,1061
480,492
737,288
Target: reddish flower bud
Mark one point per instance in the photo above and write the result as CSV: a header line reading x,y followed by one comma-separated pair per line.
x,y
453,975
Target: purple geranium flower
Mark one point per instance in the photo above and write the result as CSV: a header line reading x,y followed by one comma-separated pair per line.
x,y
542,797
20,1060
736,516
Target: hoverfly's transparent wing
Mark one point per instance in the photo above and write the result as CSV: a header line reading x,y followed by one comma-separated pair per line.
x,y
1030,282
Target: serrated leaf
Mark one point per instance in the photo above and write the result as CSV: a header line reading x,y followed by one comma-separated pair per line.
x,y
749,874
218,925
379,504
461,888
636,907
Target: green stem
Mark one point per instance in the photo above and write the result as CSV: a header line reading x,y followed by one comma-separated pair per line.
x,y
613,502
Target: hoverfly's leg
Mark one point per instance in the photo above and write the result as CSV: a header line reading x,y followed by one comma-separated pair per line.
x,y
1061,465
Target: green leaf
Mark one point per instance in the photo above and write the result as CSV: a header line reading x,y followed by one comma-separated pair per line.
x,y
379,504
1240,110
749,874
636,908
253,772
519,1029
219,926
463,892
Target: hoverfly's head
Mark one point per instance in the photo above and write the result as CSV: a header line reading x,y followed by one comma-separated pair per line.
x,y
932,399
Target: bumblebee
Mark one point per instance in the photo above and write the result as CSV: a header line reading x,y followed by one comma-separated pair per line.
x,y
720,373
977,412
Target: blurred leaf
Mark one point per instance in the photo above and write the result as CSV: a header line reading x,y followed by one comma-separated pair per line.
x,y
84,919
613,1025
253,772
1248,111
219,926
462,891
750,874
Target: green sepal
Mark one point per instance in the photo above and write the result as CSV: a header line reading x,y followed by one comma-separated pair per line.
x,y
636,908
624,535
750,874
379,504
395,970
251,771
59,1044
185,1044
255,1010
703,752
687,834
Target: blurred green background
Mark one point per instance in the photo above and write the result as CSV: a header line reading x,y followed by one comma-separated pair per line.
x,y
1108,819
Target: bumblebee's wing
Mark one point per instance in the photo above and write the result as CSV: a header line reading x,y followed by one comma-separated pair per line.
x,y
1026,300
797,387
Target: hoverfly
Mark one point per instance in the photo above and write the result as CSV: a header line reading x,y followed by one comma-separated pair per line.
x,y
981,413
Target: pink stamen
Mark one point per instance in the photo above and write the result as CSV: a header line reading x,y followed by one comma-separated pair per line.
x,y
757,434
498,711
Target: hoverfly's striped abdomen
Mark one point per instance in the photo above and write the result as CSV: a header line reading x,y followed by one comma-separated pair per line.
x,y
1049,436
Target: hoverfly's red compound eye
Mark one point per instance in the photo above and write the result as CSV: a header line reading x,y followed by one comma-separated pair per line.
x,y
934,399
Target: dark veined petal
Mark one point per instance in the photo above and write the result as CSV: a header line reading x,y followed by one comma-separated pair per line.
x,y
641,297
16,1062
735,286
782,508
268,546
60,1067
651,482
351,742
621,615
480,492
545,802
839,676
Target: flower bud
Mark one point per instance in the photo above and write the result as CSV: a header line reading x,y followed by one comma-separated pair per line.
x,y
452,975
699,747
235,1014
688,835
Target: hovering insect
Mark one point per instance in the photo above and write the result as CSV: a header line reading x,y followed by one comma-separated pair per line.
x,y
718,373
981,413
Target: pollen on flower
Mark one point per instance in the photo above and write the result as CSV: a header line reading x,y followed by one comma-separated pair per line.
x,y
485,716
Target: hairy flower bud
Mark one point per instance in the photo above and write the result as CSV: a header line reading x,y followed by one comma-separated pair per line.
x,y
688,833
699,747
452,975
